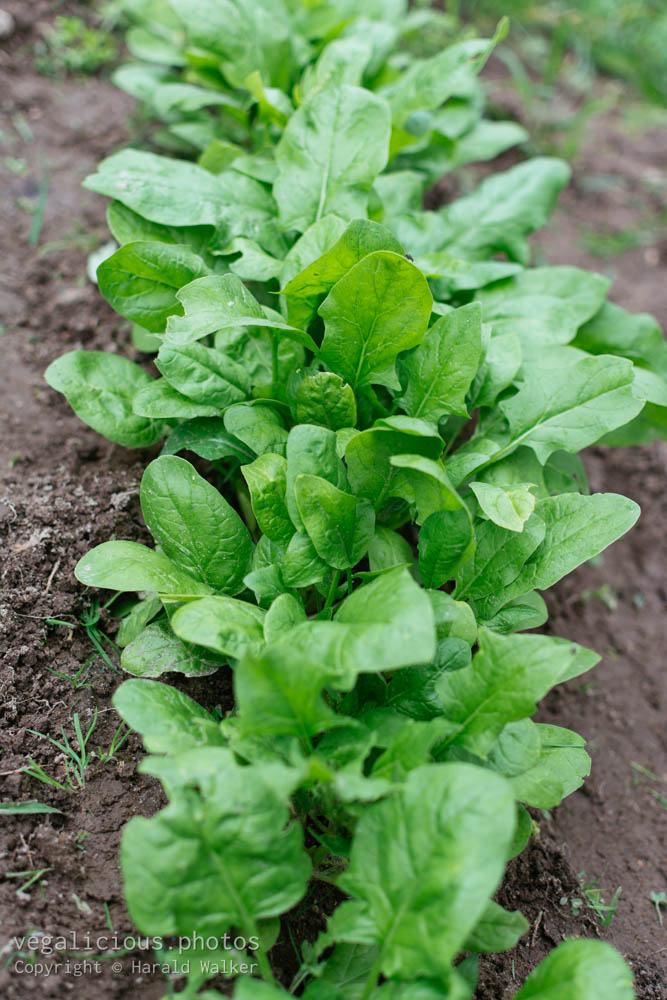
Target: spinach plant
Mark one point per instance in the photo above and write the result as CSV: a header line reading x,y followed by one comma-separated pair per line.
x,y
386,418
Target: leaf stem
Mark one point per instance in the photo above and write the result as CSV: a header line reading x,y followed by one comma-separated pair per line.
x,y
332,589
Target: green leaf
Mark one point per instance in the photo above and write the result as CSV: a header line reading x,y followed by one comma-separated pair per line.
x,y
527,611
128,227
206,437
324,398
506,679
222,302
259,427
279,691
133,624
158,651
177,193
339,525
302,566
579,970
100,388
134,567
543,305
139,281
194,525
304,293
387,549
267,482
509,508
378,309
383,625
560,770
571,407
311,450
424,864
220,855
368,454
285,612
223,624
425,485
167,720
497,930
329,155
203,374
440,370
25,808
504,209
446,541
160,400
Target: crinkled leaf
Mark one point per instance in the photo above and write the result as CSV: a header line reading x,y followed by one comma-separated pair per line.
x,y
158,651
203,374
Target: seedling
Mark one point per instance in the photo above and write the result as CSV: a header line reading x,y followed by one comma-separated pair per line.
x,y
118,740
32,876
594,899
659,899
77,758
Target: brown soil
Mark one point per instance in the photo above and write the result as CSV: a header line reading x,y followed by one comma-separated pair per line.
x,y
64,489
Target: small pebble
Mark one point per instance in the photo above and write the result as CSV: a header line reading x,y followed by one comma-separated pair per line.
x,y
7,23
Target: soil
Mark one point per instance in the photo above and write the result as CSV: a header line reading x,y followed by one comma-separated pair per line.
x,y
64,489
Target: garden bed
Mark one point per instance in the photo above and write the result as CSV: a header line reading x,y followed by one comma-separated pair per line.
x,y
63,489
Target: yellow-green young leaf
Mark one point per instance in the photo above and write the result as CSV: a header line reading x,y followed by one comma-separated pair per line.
x,y
324,398
339,525
158,651
100,388
579,970
134,567
305,291
378,309
267,482
223,624
505,680
330,153
167,720
226,835
438,372
510,507
203,374
194,524
141,279
424,864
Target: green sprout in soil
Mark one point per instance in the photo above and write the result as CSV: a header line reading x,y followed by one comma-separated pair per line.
x,y
659,899
77,758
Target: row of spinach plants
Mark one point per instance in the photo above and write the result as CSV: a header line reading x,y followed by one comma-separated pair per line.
x,y
387,405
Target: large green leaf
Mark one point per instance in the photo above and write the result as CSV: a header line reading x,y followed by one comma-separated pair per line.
x,y
140,280
130,566
378,309
177,193
203,374
167,720
505,680
438,372
220,855
424,864
158,651
100,388
267,482
223,624
306,290
579,970
329,155
339,525
194,524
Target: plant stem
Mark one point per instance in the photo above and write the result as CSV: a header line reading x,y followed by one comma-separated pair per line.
x,y
332,589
